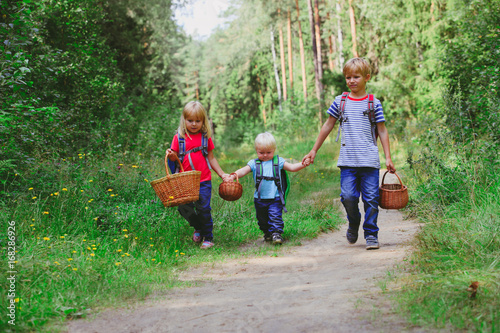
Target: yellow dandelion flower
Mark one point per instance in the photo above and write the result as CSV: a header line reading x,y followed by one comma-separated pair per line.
x,y
146,180
81,190
134,166
62,237
32,225
33,198
74,251
46,213
126,236
120,164
91,200
119,250
56,193
151,244
136,237
75,269
114,240
30,188
112,195
55,262
182,253
64,189
92,254
118,263
124,230
96,218
110,190
84,240
16,300
51,194
176,251
90,181
153,259
128,255
70,259
86,207
46,238
88,248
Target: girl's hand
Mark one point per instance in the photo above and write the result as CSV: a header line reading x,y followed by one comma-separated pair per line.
x,y
171,154
226,177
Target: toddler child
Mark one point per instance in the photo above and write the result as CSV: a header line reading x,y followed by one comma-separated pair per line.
x,y
267,198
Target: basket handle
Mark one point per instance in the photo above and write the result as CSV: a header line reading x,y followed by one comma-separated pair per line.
x,y
176,160
234,173
383,178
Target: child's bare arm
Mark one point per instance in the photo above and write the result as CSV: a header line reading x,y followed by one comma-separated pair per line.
x,y
323,134
384,139
294,167
241,172
215,165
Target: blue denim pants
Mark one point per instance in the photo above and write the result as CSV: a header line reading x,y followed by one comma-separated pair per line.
x,y
198,213
269,215
364,181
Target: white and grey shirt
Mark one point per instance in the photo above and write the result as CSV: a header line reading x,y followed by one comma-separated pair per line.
x,y
357,148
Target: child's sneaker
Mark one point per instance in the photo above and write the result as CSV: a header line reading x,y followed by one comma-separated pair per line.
x,y
352,236
206,245
197,236
372,243
277,239
268,237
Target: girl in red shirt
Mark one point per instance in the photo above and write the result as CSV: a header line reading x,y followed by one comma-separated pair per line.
x,y
194,125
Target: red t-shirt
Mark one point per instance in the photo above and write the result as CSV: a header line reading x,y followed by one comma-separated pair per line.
x,y
199,161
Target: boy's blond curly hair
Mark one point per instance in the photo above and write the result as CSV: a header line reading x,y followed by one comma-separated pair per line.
x,y
359,65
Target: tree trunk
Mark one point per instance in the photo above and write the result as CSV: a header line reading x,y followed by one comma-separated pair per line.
x,y
340,36
317,65
353,30
318,44
261,101
197,86
302,55
282,56
290,62
276,75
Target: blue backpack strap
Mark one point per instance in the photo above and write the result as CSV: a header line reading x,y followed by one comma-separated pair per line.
x,y
342,119
258,176
203,148
371,116
277,180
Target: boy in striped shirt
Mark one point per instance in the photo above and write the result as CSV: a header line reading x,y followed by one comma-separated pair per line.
x,y
358,161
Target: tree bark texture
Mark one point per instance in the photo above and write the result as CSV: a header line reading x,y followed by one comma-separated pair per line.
x,y
340,36
282,57
276,75
290,61
302,53
353,30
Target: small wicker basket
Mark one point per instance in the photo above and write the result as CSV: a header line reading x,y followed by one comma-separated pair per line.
x,y
177,189
393,196
231,191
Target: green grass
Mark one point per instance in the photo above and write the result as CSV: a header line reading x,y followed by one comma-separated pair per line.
x,y
90,232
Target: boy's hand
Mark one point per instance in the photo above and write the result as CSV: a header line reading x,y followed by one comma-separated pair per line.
x,y
227,178
307,162
310,157
390,166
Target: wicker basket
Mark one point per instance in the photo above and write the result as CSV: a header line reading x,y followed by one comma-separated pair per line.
x,y
177,189
393,196
231,191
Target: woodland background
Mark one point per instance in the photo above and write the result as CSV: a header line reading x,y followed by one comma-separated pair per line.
x,y
107,79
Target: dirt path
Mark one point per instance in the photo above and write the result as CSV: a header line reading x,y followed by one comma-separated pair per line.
x,y
325,285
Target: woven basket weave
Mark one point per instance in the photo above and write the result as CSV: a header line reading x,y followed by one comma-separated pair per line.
x,y
231,191
393,196
177,189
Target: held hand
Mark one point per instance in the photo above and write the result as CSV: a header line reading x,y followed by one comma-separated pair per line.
x,y
226,178
171,154
310,157
307,162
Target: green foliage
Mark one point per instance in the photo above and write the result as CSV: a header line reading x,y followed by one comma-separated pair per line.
x,y
91,232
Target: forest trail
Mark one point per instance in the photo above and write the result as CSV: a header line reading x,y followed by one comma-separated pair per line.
x,y
325,285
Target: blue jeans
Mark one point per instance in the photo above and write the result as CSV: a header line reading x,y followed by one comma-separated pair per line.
x,y
356,181
198,213
269,215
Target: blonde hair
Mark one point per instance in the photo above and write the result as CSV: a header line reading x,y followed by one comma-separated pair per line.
x,y
265,141
359,65
194,109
